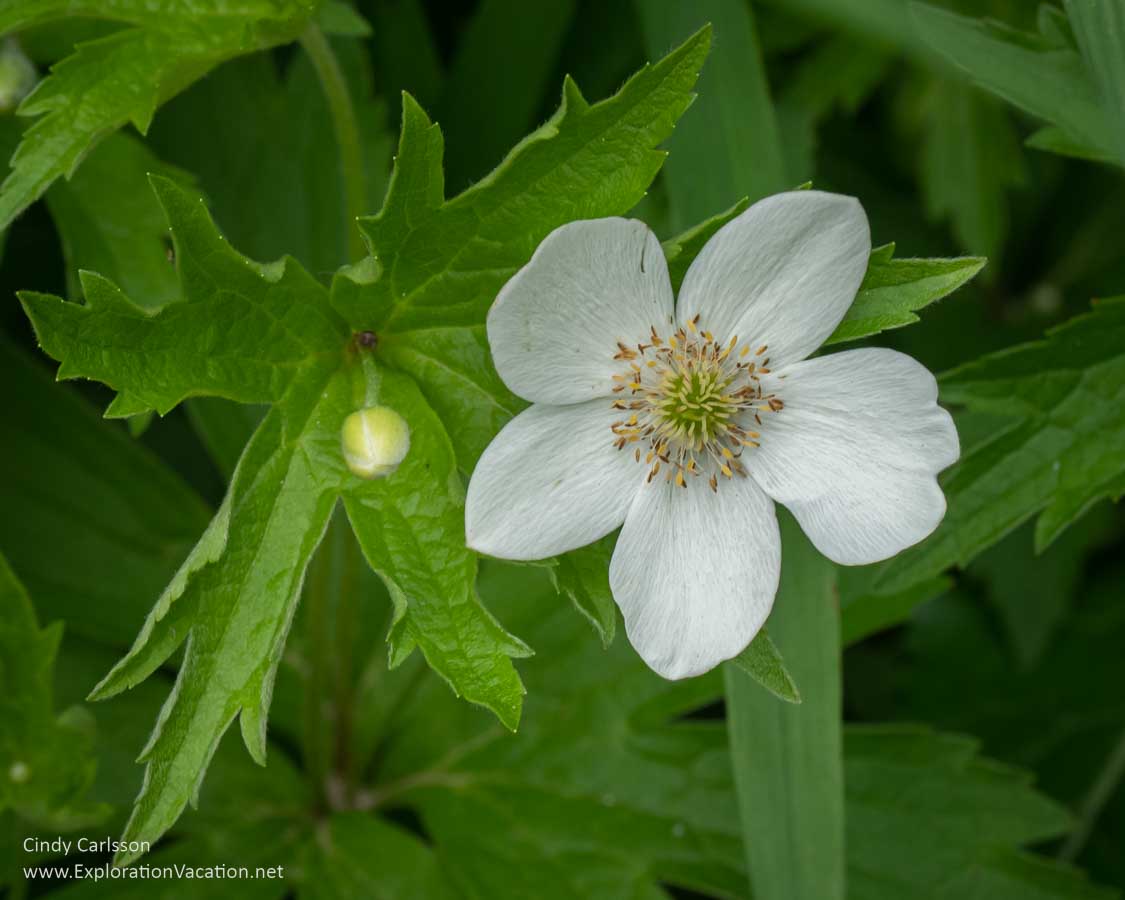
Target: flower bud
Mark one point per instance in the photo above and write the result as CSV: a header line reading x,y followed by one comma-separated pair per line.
x,y
375,440
17,75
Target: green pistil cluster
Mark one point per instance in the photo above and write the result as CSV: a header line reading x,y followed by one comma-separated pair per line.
x,y
695,405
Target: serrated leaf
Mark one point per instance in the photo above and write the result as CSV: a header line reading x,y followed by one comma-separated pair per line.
x,y
125,76
156,360
1036,72
894,289
46,764
109,221
441,262
1056,450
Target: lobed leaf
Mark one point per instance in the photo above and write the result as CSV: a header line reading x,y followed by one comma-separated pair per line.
x,y
894,289
126,75
1042,74
441,263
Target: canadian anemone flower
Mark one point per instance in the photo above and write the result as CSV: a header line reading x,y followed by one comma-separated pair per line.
x,y
684,421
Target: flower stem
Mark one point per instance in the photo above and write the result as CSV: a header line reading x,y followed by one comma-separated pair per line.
x,y
1096,798
788,759
344,123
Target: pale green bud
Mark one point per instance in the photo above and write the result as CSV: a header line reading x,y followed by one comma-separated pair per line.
x,y
17,75
375,440
19,772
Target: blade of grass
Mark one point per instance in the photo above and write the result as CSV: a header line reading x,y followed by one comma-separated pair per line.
x,y
726,146
787,759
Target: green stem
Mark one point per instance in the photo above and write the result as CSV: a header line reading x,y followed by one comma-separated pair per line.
x,y
318,617
788,759
344,123
1096,798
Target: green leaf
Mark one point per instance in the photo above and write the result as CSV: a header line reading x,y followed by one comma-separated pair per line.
x,y
441,263
928,818
893,289
787,758
409,528
1053,450
1042,74
682,249
583,576
155,361
762,661
1099,26
125,76
46,765
359,855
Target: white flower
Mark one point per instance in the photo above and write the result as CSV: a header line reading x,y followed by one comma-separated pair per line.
x,y
686,421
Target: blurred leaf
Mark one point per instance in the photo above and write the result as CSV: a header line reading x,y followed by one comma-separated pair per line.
x,y
1099,26
608,793
357,855
839,73
125,76
730,132
245,130
46,763
405,55
484,110
970,158
908,785
1057,451
76,487
1033,593
1042,74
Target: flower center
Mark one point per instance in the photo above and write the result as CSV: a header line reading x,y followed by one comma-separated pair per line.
x,y
694,404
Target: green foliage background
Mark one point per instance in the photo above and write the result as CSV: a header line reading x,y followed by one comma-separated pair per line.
x,y
983,747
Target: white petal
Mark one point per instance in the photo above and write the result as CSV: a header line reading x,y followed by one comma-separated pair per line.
x,y
782,274
855,452
695,573
549,482
555,325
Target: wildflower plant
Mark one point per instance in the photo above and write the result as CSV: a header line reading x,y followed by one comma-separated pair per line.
x,y
376,418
